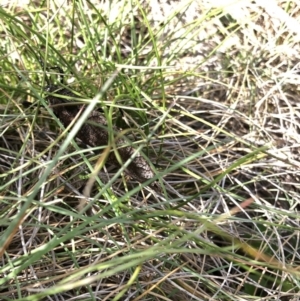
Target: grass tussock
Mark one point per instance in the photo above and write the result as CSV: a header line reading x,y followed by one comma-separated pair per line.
x,y
207,92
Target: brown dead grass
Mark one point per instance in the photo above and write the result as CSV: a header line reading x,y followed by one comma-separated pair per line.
x,y
225,226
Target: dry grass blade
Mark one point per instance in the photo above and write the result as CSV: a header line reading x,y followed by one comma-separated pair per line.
x,y
207,95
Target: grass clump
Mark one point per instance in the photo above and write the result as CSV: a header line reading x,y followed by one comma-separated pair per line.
x,y
208,94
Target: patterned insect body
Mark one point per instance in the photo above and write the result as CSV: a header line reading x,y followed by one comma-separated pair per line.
x,y
94,132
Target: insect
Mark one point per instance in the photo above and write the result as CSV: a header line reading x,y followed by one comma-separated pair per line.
x,y
94,131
